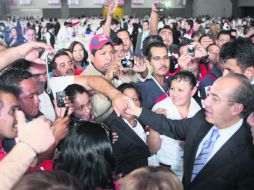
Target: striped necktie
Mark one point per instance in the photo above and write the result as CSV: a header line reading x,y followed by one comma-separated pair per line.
x,y
204,154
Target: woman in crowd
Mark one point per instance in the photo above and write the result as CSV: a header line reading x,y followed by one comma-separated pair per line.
x,y
80,55
79,96
86,153
179,105
130,149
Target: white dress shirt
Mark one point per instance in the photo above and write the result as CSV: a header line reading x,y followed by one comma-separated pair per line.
x,y
225,135
138,130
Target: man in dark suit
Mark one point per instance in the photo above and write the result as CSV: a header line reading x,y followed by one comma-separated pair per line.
x,y
130,149
227,161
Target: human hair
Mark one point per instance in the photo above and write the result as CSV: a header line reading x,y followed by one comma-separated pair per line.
x,y
213,44
13,77
22,64
167,27
48,180
86,153
132,85
145,21
117,41
114,21
4,89
73,89
243,94
240,49
223,32
30,28
71,48
152,45
149,39
123,30
151,178
186,76
190,22
58,54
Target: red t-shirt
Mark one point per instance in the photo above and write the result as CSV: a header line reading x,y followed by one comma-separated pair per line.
x,y
2,153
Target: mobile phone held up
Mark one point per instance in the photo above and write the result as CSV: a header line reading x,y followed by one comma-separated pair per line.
x,y
127,63
191,50
60,97
160,6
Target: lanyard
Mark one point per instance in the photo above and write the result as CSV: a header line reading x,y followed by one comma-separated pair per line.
x,y
156,82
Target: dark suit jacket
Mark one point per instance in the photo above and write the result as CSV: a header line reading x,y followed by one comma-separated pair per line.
x,y
231,168
130,151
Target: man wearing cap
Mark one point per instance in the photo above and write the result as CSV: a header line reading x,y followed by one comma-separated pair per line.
x,y
104,64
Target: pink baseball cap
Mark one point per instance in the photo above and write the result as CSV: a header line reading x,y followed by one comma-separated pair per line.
x,y
98,41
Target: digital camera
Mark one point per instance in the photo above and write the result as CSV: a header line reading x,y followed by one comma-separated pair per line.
x,y
127,63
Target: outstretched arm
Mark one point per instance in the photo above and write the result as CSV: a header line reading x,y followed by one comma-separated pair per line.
x,y
29,51
111,10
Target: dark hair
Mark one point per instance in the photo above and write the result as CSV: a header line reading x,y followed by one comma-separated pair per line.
x,y
117,41
73,44
186,76
240,49
223,32
22,64
30,28
123,30
146,21
213,44
114,21
190,22
13,77
167,27
48,180
243,94
149,39
73,89
86,153
124,86
58,54
4,89
154,44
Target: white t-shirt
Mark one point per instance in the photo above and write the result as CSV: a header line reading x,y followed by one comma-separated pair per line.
x,y
171,151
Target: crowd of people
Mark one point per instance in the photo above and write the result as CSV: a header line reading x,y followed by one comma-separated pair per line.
x,y
127,104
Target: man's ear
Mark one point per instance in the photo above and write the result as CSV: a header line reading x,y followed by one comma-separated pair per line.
x,y
237,109
249,72
92,58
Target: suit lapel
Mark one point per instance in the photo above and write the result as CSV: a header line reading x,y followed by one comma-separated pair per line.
x,y
224,155
131,133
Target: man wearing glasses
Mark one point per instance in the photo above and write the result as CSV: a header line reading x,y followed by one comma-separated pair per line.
x,y
155,89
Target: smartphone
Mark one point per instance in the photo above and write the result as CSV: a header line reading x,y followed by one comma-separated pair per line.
x,y
191,50
60,96
160,6
127,63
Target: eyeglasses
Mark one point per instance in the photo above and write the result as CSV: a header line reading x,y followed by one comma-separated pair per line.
x,y
158,58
